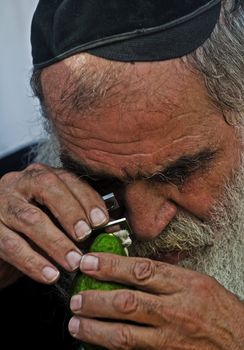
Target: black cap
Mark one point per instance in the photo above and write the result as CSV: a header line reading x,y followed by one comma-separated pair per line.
x,y
121,30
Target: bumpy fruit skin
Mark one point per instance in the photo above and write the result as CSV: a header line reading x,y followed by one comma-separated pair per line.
x,y
106,243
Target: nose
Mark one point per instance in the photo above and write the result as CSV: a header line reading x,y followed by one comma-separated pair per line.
x,y
147,210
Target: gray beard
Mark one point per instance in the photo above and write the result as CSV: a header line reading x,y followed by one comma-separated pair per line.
x,y
214,248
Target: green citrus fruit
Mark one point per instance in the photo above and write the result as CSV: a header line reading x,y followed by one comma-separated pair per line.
x,y
106,243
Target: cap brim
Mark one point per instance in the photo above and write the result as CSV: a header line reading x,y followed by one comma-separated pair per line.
x,y
168,43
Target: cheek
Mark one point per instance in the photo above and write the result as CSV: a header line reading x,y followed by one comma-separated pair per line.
x,y
199,203
198,196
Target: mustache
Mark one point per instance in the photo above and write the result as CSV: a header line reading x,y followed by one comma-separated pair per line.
x,y
183,234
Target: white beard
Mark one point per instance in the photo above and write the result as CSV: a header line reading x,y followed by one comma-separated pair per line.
x,y
225,259
216,248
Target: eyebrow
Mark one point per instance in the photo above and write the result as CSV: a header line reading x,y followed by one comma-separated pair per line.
x,y
176,173
184,167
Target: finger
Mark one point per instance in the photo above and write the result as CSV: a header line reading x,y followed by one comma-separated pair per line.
x,y
93,204
20,216
130,305
18,253
114,335
46,187
144,274
40,182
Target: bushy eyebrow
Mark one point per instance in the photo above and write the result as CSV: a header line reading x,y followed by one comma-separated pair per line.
x,y
184,167
177,172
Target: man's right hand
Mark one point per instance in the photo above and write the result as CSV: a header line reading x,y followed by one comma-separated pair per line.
x,y
28,236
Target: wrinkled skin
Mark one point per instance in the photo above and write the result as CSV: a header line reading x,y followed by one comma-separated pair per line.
x,y
154,114
70,202
173,308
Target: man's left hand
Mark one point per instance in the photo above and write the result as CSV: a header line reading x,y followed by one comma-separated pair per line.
x,y
168,308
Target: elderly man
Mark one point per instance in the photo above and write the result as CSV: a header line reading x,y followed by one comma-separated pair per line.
x,y
143,99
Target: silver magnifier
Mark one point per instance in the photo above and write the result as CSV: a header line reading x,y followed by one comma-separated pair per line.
x,y
112,204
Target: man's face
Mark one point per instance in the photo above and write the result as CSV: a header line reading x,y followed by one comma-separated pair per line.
x,y
155,133
149,133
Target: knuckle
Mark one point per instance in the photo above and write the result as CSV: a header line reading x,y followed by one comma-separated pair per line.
x,y
209,287
27,215
29,263
35,167
125,302
143,270
41,175
73,179
162,338
9,178
59,243
189,320
67,176
10,246
109,265
46,179
192,325
123,339
202,283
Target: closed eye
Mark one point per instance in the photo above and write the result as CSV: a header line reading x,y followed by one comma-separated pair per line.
x,y
184,168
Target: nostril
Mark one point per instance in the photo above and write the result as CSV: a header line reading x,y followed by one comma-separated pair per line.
x,y
145,229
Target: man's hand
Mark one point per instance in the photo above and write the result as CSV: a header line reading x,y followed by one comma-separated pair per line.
x,y
171,308
29,239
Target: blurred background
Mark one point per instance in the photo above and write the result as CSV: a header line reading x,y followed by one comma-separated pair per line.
x,y
20,121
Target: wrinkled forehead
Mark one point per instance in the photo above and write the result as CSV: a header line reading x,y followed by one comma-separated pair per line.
x,y
90,84
128,115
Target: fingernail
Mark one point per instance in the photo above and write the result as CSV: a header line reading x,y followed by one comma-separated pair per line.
x,y
76,302
74,325
82,230
50,273
97,217
89,262
73,258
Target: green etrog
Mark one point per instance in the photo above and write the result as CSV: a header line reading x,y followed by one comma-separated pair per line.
x,y
107,243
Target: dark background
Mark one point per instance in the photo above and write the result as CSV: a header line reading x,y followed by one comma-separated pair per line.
x,y
33,317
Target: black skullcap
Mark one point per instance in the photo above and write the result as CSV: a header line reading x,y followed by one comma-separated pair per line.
x,y
121,30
